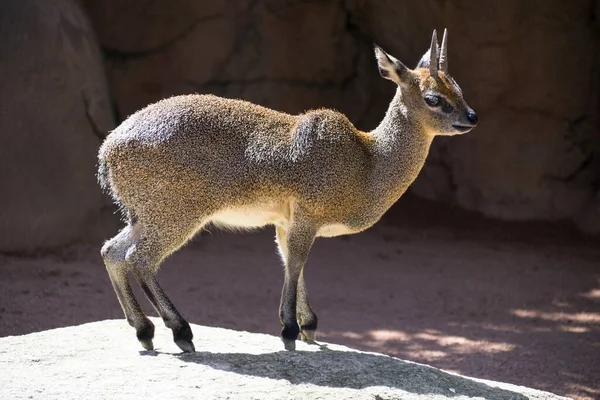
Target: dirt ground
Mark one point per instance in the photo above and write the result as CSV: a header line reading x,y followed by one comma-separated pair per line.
x,y
514,302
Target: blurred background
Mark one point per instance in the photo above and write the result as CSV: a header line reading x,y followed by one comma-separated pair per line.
x,y
489,265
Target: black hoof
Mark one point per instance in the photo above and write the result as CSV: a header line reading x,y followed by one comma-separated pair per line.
x,y
308,330
187,346
145,334
289,336
308,336
289,344
183,338
147,344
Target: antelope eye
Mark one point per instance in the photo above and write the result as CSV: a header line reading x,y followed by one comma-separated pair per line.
x,y
433,100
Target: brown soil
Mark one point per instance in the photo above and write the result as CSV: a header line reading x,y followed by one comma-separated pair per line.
x,y
512,302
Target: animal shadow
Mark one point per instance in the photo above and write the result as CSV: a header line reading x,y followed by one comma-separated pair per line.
x,y
348,369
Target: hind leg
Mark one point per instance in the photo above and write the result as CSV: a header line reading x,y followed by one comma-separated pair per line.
x,y
182,333
306,316
113,252
144,257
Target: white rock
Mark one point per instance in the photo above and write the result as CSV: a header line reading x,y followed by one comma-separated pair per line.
x,y
102,360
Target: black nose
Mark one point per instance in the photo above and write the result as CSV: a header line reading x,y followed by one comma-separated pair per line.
x,y
472,117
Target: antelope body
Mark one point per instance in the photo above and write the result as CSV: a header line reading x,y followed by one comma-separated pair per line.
x,y
188,161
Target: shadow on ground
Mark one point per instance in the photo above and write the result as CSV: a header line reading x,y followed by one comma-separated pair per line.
x,y
344,369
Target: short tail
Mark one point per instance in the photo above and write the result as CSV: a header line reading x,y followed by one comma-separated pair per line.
x,y
103,175
104,181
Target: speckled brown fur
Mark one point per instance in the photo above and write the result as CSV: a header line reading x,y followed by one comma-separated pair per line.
x,y
187,161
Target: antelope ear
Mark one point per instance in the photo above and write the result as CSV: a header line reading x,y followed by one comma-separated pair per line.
x,y
424,61
390,67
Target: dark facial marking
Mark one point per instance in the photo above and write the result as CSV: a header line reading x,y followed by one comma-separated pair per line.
x,y
437,101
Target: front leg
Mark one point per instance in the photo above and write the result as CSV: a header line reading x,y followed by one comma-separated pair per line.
x,y
297,242
307,319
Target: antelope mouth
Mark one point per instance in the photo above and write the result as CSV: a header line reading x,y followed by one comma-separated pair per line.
x,y
463,128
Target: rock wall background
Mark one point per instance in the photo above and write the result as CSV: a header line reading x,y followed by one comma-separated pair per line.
x,y
530,68
54,113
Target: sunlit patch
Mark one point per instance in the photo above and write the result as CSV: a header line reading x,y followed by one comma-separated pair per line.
x,y
593,294
388,335
351,335
487,327
582,392
462,344
573,329
432,354
582,318
419,345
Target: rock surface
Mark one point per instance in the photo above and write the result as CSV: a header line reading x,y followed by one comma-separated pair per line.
x,y
103,359
530,69
54,112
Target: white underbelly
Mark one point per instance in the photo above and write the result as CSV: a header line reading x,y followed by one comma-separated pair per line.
x,y
248,217
335,230
257,217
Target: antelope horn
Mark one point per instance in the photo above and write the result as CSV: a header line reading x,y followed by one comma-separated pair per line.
x,y
444,52
433,55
